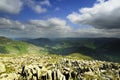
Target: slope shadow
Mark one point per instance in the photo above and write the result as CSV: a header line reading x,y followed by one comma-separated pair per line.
x,y
105,49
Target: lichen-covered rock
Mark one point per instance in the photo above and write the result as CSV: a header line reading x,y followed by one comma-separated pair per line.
x,y
2,68
46,68
77,71
35,72
9,76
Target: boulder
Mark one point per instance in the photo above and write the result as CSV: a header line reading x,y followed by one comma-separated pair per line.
x,y
70,70
10,76
2,68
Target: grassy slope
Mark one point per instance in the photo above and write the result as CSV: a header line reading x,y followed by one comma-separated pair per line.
x,y
17,47
11,48
84,49
98,48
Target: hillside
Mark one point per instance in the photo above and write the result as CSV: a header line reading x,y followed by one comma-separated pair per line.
x,y
9,46
39,46
73,59
107,49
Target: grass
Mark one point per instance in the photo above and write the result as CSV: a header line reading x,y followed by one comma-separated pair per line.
x,y
79,56
19,48
8,46
9,69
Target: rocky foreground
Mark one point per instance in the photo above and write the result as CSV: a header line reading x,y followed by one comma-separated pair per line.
x,y
44,67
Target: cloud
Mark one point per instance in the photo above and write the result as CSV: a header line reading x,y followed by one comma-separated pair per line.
x,y
15,6
51,24
11,6
100,1
93,32
37,6
45,2
10,24
51,28
105,14
39,9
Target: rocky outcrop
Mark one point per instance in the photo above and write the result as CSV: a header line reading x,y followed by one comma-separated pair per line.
x,y
2,68
37,71
56,68
9,76
72,70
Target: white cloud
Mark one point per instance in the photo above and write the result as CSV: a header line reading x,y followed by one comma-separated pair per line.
x,y
57,21
11,6
51,28
93,32
49,23
100,1
10,24
39,9
15,6
38,6
45,2
103,15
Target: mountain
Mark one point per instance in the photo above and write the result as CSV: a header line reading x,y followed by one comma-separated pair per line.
x,y
9,46
80,44
78,59
107,49
99,48
39,41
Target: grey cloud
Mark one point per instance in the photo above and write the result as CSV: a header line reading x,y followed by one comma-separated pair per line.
x,y
15,6
45,2
93,32
51,28
54,23
37,6
10,24
103,15
35,28
11,6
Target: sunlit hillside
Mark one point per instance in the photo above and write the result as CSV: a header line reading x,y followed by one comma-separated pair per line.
x,y
9,46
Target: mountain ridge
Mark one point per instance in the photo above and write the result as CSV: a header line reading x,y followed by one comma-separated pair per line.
x,y
97,48
9,46
94,47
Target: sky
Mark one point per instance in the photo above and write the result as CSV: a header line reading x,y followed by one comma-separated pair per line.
x,y
60,18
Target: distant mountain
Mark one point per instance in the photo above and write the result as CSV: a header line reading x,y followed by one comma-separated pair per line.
x,y
9,46
98,48
96,44
21,39
39,41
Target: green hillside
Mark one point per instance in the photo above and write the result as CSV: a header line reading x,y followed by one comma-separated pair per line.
x,y
99,49
8,46
105,49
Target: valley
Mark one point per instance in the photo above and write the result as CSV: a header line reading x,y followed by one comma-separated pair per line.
x,y
60,59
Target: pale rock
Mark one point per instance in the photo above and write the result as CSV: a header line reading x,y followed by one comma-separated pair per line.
x,y
2,68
